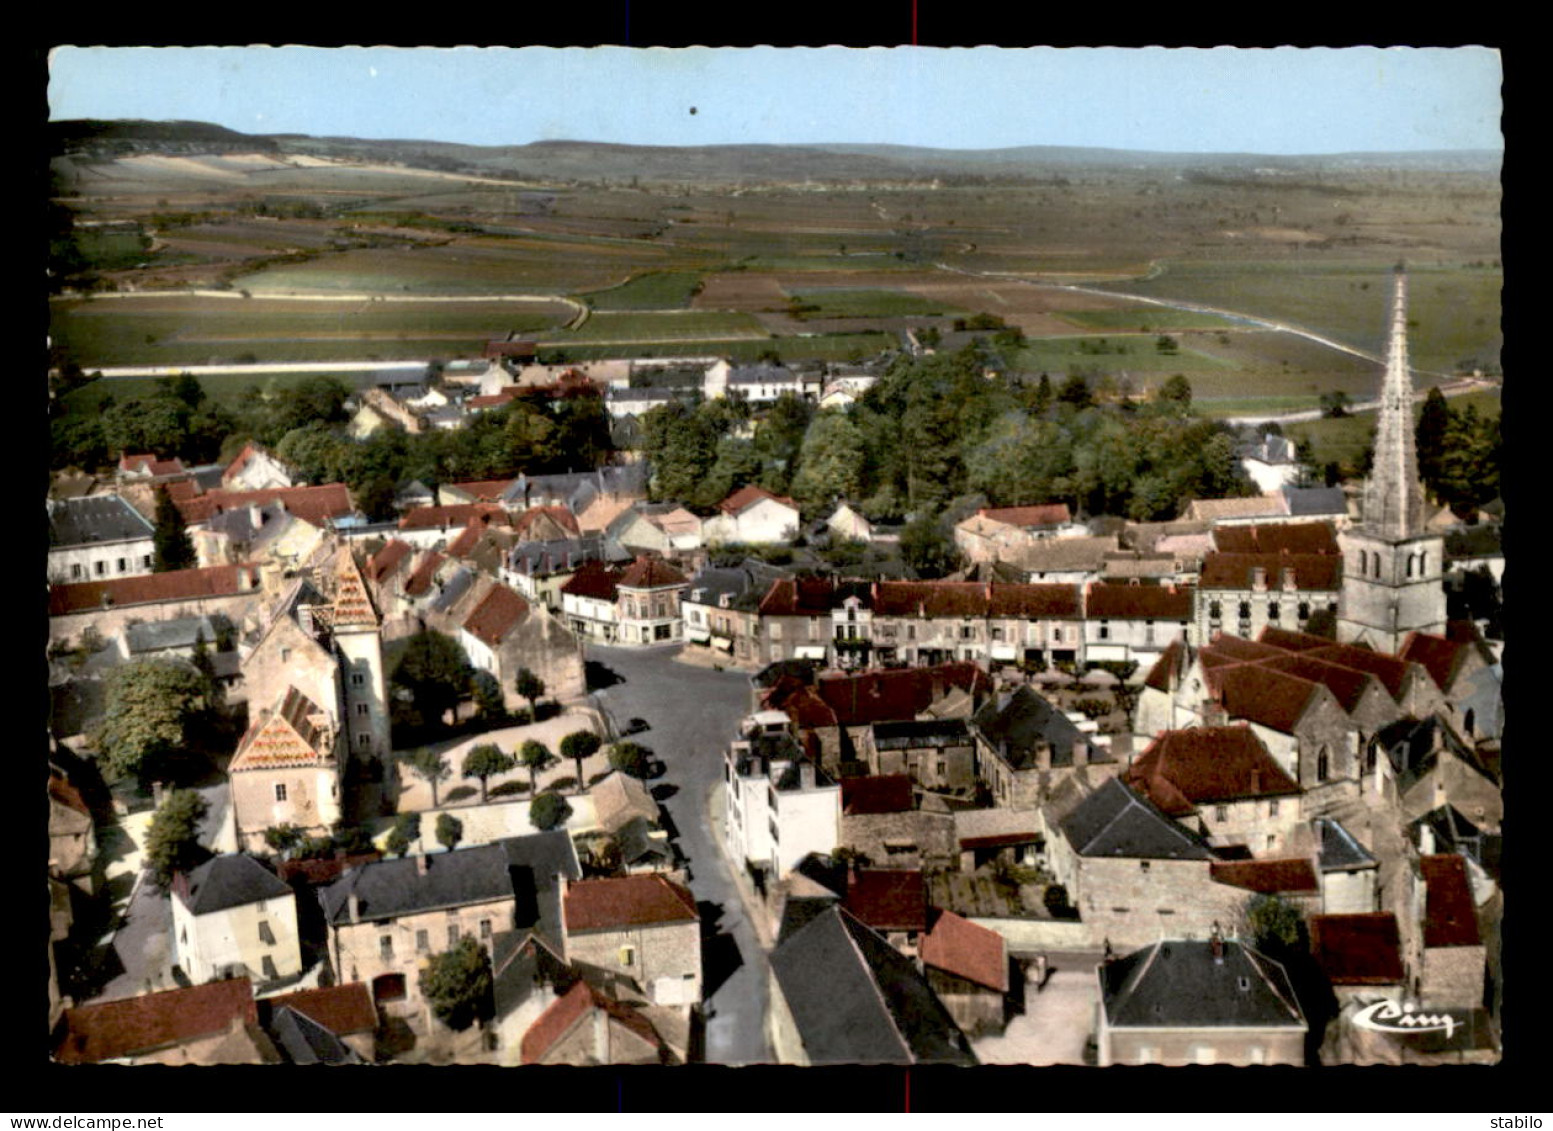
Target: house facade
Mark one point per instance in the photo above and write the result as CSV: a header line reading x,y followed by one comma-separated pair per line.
x,y
643,927
97,538
234,917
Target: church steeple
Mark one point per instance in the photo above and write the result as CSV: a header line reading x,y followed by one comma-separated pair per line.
x,y
1393,496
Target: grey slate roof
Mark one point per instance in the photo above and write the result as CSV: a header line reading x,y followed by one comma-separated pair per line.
x,y
180,632
799,910
231,881
1176,983
639,846
387,889
1115,821
854,999
1023,719
559,555
928,732
454,588
1340,852
520,965
745,584
764,374
94,519
304,1041
1316,500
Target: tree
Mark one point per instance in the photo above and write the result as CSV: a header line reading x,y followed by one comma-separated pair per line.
x,y
406,830
1075,391
1432,434
172,841
488,697
434,672
1334,404
1041,399
450,830
577,746
630,758
548,811
1274,925
485,762
1166,344
284,839
1322,622
529,686
174,549
927,548
156,711
457,983
1177,390
536,756
829,462
428,765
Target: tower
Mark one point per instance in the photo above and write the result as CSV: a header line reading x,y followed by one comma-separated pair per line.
x,y
356,630
1392,569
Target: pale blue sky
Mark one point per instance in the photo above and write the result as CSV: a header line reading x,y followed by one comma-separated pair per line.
x,y
1281,100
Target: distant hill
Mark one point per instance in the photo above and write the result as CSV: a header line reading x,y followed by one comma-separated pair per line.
x,y
567,160
111,137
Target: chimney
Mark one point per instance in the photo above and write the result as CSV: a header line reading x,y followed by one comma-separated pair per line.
x,y
422,863
1259,579
1426,839
1043,754
354,903
1214,714
1288,579
1216,944
806,775
245,580
1081,752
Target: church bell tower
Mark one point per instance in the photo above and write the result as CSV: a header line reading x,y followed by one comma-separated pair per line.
x,y
1393,570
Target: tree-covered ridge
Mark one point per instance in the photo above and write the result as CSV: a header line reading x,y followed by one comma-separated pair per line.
x,y
938,428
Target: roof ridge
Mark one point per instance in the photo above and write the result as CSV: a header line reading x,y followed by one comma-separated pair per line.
x,y
1135,978
873,980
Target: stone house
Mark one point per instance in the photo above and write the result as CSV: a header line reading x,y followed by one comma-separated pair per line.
x,y
665,529
72,834
1291,879
754,516
721,607
538,570
233,916
584,1027
890,824
255,469
647,603
1063,561
1025,747
1180,1001
967,966
1245,592
502,634
1433,767
1222,782
892,902
1361,955
1452,970
1133,622
1461,667
646,928
108,607
1132,871
937,754
589,602
841,994
286,771
96,538
216,1023
1349,872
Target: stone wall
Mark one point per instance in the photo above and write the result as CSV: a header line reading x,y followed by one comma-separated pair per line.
x,y
1453,975
1134,902
664,959
932,834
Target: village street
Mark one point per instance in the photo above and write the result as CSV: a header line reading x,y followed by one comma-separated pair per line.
x,y
692,715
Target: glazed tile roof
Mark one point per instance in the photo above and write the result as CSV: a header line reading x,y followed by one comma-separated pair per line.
x,y
352,603
293,735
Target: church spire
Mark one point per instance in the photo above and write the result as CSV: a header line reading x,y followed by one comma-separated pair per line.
x,y
1393,497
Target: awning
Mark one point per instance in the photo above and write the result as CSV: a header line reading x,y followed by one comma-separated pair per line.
x,y
722,642
1004,652
698,635
809,652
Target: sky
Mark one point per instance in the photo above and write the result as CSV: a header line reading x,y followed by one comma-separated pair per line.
x,y
1269,100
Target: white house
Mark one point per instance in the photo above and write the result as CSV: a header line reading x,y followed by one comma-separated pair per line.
x,y
752,515
849,524
233,917
255,469
781,806
97,537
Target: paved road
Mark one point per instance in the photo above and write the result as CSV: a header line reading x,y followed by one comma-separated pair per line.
x,y
693,713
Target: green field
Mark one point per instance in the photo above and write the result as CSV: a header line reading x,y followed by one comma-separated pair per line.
x,y
657,327
847,302
1343,439
1111,355
1453,312
656,290
1146,319
1252,406
834,347
189,330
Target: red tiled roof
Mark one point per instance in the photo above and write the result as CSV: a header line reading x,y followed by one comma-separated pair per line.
x,y
746,497
650,573
506,348
287,737
1241,650
1295,537
931,599
313,505
1261,695
881,793
324,871
1138,602
467,540
420,580
1033,601
892,695
340,1009
1345,683
237,465
799,596
888,900
1169,667
1322,572
959,947
1051,514
1268,877
149,589
571,1007
462,514
593,579
496,615
150,463
67,795
1292,641
181,490
629,901
1182,769
494,400
1358,950
535,516
1449,915
388,559
111,1030
1390,670
1437,655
